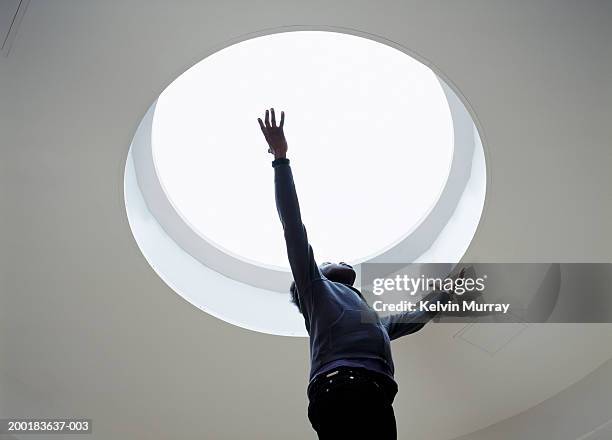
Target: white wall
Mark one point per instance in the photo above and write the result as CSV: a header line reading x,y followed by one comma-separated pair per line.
x,y
88,329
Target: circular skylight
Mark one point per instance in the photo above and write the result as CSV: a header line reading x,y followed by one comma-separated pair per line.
x,y
370,140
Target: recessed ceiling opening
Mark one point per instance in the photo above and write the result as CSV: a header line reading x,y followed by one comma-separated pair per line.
x,y
387,161
370,136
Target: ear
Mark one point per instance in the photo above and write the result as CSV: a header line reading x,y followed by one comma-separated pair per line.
x,y
354,277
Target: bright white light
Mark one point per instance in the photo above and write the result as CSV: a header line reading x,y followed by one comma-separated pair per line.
x,y
370,142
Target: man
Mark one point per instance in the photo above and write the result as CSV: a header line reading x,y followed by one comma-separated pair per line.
x,y
351,387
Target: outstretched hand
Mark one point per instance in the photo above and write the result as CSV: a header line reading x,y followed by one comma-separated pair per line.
x,y
454,277
277,144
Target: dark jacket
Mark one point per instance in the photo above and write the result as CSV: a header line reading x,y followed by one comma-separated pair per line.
x,y
341,325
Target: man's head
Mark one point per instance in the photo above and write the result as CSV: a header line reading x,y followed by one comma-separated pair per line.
x,y
336,272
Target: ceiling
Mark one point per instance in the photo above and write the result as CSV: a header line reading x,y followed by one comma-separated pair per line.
x,y
89,330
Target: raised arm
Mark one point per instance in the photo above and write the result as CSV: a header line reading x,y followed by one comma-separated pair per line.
x,y
403,324
301,258
410,322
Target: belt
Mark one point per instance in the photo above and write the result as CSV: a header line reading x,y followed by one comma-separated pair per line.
x,y
344,375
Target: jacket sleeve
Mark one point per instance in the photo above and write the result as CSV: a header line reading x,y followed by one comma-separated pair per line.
x,y
301,258
406,323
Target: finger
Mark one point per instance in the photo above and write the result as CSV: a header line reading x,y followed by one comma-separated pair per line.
x,y
282,122
261,125
273,117
267,119
263,130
